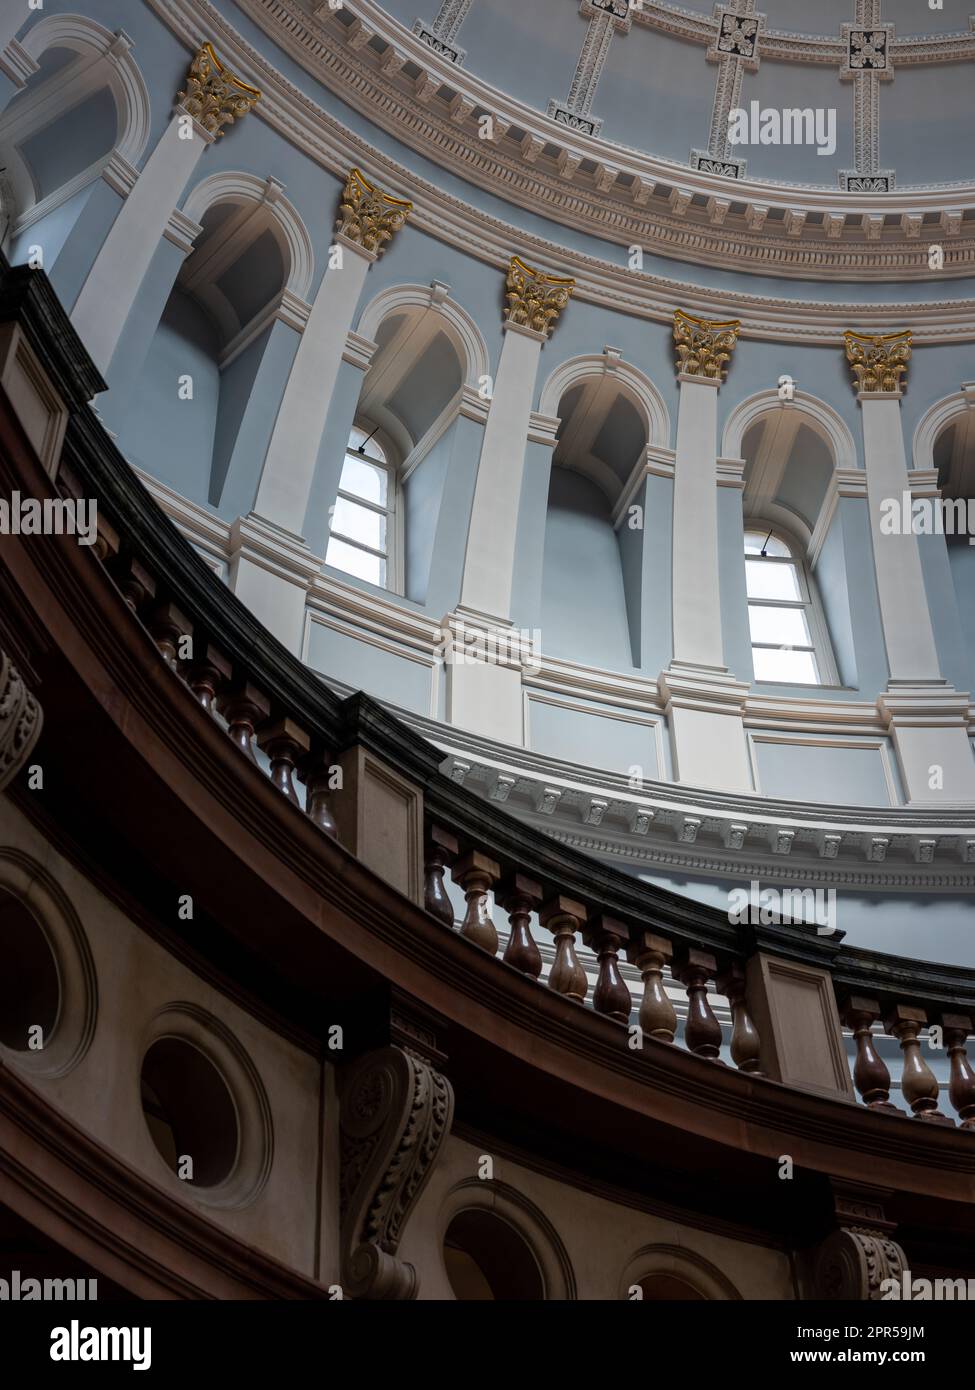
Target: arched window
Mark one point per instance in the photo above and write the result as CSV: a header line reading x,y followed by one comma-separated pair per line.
x,y
362,530
790,645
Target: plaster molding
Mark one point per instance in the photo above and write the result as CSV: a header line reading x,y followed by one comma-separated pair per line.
x,y
826,422
488,238
458,324
239,188
634,382
121,73
359,77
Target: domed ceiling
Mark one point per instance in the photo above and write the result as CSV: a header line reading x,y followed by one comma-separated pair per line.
x,y
666,79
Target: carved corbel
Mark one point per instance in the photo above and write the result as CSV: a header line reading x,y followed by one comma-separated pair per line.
x,y
396,1112
21,718
854,1261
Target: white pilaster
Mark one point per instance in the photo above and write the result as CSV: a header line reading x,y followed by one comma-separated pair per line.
x,y
908,633
107,296
490,558
289,467
704,703
697,604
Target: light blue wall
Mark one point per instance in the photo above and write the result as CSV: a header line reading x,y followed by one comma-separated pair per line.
x,y
366,667
453,519
731,581
813,773
422,495
250,388
616,740
647,563
669,115
526,585
583,604
961,559
184,344
830,575
790,85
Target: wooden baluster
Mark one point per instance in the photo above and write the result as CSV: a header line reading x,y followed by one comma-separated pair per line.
x,y
168,625
563,917
521,897
961,1088
919,1084
870,1074
442,851
650,953
746,1045
244,708
611,996
476,874
137,585
702,1031
315,775
285,744
207,674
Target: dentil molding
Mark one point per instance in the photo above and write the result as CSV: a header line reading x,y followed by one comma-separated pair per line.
x,y
323,138
580,180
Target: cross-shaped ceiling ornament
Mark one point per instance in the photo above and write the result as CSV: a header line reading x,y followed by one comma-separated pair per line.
x,y
735,50
606,17
867,61
442,33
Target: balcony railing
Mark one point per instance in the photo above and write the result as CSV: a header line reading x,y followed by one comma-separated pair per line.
x,y
281,717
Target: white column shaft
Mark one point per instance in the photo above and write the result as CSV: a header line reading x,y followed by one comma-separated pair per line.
x,y
697,605
107,296
908,634
289,468
490,558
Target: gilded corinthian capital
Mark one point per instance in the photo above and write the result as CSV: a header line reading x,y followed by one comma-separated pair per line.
x,y
704,346
213,96
535,300
879,362
367,215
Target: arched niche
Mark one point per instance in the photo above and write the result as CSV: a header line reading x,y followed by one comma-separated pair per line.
x,y
607,418
84,112
800,478
203,404
944,467
427,367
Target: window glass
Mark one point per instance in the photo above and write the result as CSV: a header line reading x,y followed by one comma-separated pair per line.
x,y
776,580
361,563
785,627
364,479
781,664
360,524
758,541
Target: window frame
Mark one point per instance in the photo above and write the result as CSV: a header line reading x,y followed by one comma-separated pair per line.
x,y
809,603
393,511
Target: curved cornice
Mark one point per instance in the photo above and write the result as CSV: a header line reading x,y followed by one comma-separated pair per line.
x,y
323,138
612,191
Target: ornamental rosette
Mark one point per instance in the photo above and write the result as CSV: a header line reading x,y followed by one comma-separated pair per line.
x,y
213,96
704,346
367,216
878,361
535,300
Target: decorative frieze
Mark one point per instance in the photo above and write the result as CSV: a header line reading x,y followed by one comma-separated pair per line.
x,y
535,300
367,216
213,95
605,18
866,63
704,346
879,361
